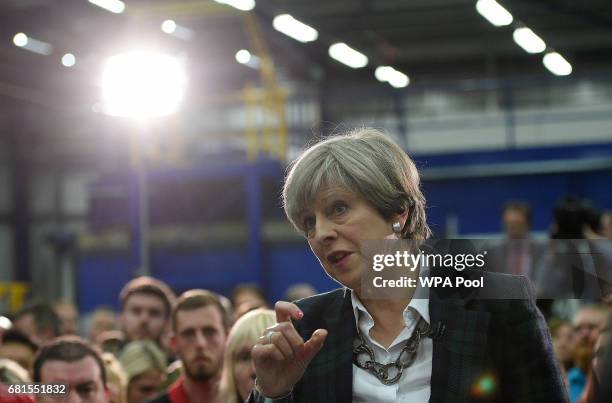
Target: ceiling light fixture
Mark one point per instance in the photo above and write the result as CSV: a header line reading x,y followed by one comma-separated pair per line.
x,y
20,39
528,40
346,55
295,29
395,78
557,64
68,60
242,5
170,27
33,45
143,84
493,12
114,6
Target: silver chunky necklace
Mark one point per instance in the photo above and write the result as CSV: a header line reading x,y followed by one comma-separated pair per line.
x,y
388,374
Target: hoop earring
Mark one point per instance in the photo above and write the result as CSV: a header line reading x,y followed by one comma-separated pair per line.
x,y
397,228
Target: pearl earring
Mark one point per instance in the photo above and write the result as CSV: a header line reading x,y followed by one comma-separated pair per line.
x,y
397,227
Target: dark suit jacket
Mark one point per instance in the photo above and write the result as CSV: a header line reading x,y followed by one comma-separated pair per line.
x,y
497,257
505,340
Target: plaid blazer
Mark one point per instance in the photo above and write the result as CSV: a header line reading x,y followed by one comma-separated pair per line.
x,y
490,351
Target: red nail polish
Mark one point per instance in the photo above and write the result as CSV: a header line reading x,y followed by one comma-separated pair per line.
x,y
299,315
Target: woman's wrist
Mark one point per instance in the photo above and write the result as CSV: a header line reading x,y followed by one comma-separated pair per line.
x,y
278,397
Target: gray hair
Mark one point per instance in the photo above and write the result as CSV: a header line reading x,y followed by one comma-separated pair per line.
x,y
364,160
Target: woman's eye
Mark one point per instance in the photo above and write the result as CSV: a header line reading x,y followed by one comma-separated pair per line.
x,y
339,208
309,223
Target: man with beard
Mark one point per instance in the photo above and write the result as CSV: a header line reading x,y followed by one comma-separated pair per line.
x,y
200,326
145,306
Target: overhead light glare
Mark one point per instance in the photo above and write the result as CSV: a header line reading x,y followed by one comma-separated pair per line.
x,y
68,60
493,12
33,45
242,5
383,73
395,78
5,323
399,80
245,57
114,6
557,64
528,40
346,55
20,39
142,84
168,26
295,29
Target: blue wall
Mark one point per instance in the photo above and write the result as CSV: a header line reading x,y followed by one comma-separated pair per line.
x,y
102,276
475,201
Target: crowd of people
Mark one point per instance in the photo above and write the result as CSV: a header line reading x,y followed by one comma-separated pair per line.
x,y
158,348
205,347
578,251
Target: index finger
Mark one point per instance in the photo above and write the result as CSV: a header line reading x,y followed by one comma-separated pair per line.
x,y
287,310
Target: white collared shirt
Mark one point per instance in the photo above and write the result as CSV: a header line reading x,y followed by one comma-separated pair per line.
x,y
415,383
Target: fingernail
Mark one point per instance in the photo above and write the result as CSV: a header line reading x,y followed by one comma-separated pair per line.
x,y
299,315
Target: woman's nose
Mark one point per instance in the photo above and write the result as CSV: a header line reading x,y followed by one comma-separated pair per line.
x,y
325,229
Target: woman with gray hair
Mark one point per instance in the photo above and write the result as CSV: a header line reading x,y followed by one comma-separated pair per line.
x,y
344,346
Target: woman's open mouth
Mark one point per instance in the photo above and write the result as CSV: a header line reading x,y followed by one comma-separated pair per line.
x,y
339,258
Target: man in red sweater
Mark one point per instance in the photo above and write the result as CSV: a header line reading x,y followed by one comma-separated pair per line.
x,y
200,325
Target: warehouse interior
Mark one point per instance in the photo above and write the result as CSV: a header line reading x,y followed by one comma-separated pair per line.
x,y
192,197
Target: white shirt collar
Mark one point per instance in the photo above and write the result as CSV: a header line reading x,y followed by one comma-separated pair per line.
x,y
420,305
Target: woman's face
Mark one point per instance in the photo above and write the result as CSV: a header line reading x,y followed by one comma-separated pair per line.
x,y
244,370
563,343
336,225
145,386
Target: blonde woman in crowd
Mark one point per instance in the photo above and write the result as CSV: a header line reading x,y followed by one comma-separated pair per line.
x,y
238,371
12,373
116,378
145,366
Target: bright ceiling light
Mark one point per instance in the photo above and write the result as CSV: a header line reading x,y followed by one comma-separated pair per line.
x,y
395,78
557,64
494,12
297,30
345,54
383,73
142,84
528,40
168,26
243,5
33,45
5,323
243,56
68,60
20,39
114,6
399,80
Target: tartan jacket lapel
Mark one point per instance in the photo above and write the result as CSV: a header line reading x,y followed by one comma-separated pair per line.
x,y
329,377
460,353
458,356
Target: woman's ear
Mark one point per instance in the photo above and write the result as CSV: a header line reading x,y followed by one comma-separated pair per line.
x,y
403,217
398,223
